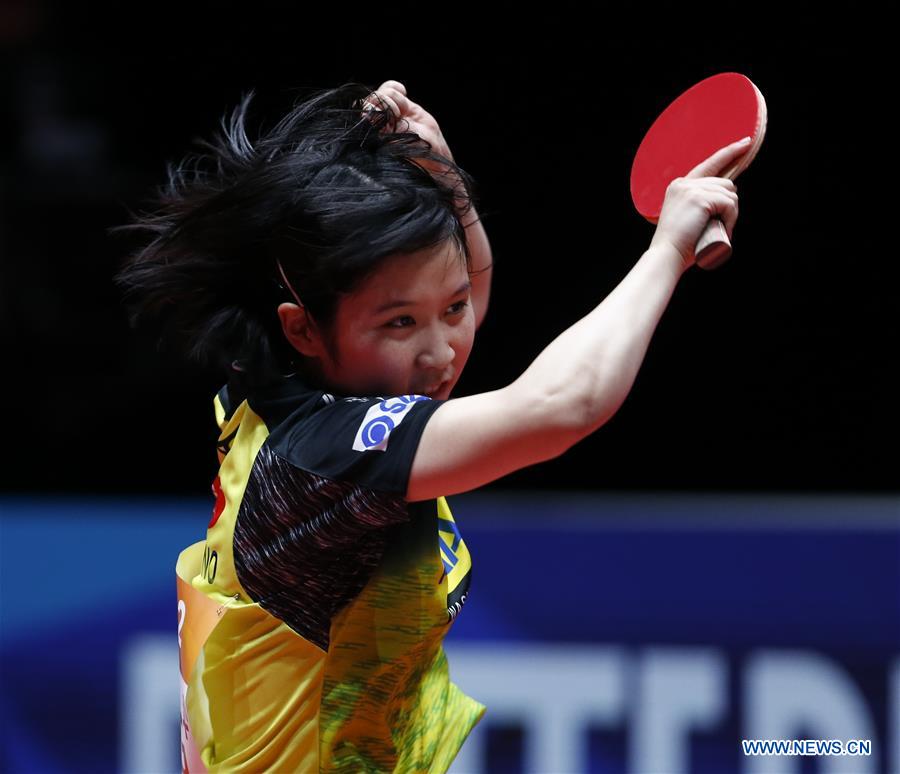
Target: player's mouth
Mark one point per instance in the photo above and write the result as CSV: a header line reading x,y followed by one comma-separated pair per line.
x,y
437,391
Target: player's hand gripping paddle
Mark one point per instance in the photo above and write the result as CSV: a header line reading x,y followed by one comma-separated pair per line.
x,y
711,114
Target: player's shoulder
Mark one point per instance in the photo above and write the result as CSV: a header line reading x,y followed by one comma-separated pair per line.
x,y
359,423
369,440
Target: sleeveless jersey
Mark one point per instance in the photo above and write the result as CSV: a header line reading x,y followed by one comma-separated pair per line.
x,y
326,594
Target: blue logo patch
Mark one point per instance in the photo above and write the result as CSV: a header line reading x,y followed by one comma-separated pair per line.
x,y
381,419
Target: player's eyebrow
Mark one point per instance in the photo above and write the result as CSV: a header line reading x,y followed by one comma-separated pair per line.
x,y
467,285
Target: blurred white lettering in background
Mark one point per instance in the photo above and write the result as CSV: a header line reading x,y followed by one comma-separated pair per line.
x,y
656,697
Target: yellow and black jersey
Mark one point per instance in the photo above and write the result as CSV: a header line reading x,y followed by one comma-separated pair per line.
x,y
311,618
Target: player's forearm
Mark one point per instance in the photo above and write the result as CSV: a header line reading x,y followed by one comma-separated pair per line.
x,y
585,374
480,255
482,260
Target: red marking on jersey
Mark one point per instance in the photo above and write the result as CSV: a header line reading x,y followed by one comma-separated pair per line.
x,y
220,502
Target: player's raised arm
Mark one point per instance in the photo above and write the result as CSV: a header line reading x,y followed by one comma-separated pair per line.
x,y
584,375
410,116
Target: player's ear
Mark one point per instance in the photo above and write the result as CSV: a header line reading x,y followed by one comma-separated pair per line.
x,y
300,330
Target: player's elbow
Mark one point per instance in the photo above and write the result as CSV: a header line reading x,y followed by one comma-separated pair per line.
x,y
560,416
574,410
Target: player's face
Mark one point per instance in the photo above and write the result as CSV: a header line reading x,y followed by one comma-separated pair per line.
x,y
408,329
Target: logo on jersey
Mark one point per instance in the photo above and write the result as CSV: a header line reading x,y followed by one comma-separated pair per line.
x,y
381,419
220,502
456,558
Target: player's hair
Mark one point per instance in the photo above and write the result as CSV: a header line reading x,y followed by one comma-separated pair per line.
x,y
327,192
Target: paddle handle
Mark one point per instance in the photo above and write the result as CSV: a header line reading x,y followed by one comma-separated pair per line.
x,y
713,248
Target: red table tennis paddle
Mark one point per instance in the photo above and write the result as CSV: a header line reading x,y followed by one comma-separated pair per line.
x,y
711,114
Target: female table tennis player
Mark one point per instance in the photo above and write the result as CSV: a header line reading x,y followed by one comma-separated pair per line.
x,y
335,268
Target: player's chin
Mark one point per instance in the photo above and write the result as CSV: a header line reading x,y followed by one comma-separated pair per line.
x,y
442,392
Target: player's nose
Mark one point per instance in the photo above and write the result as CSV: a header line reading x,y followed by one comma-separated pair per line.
x,y
437,350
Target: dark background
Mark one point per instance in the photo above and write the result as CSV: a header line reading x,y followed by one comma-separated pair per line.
x,y
775,372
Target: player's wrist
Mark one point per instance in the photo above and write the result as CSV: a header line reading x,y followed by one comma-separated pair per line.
x,y
667,253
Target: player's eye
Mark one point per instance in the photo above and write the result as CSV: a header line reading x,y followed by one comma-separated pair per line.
x,y
403,321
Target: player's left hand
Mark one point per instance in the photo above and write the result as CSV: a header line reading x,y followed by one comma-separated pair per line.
x,y
419,120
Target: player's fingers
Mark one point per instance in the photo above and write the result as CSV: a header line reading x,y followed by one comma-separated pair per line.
x,y
716,199
714,184
726,206
725,182
378,100
393,85
403,103
396,92
720,159
710,189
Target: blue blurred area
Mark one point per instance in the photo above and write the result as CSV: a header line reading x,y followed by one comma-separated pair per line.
x,y
593,605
